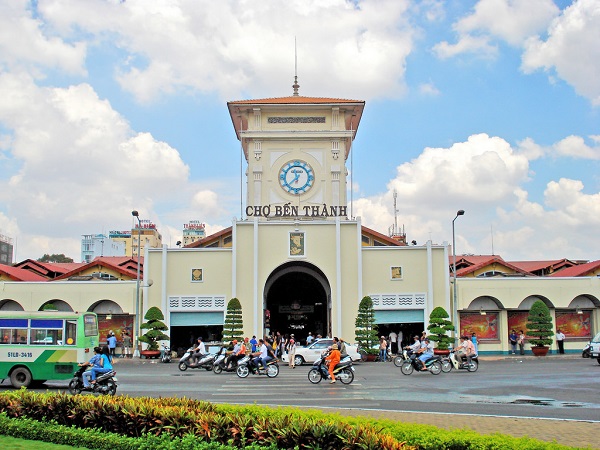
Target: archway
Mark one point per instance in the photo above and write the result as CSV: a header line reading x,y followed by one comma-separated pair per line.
x,y
10,305
59,305
297,300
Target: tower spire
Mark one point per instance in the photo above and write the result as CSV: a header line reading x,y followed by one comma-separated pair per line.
x,y
295,85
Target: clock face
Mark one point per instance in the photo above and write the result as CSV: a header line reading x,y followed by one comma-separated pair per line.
x,y
296,177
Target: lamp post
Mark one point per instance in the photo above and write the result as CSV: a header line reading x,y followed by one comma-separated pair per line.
x,y
137,287
460,212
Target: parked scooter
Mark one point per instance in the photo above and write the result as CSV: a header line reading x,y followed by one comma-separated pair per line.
x,y
343,371
433,365
106,383
586,350
245,368
459,363
401,357
166,354
205,361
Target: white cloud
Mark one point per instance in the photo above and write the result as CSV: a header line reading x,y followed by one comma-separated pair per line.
x,y
24,46
571,147
486,177
429,89
571,49
81,163
227,47
511,21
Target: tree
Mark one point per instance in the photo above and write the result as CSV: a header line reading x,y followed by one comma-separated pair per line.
x,y
155,326
539,325
367,335
234,324
55,258
438,327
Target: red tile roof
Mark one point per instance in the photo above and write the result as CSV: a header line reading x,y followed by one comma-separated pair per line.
x,y
120,264
581,270
19,274
491,260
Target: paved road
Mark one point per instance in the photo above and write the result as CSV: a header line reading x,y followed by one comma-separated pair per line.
x,y
562,391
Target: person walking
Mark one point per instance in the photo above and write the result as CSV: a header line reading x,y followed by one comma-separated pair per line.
x,y
126,345
382,349
112,344
393,343
291,349
475,342
560,341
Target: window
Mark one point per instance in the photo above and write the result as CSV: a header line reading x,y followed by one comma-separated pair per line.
x,y
90,325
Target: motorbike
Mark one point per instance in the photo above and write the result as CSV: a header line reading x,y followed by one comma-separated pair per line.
x,y
343,371
205,362
432,365
245,368
400,358
458,363
106,383
219,364
166,354
586,350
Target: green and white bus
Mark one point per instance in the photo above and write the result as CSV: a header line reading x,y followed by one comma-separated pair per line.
x,y
44,345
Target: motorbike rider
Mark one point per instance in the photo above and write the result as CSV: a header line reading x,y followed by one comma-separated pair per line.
x,y
332,359
197,352
239,350
466,348
426,352
263,356
414,348
105,365
93,362
341,345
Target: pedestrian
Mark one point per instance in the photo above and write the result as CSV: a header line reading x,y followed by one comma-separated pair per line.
x,y
475,342
253,343
382,349
126,345
112,344
513,338
400,339
560,341
309,338
291,349
393,343
521,342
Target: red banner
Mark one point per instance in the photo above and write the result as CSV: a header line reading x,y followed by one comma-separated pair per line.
x,y
574,325
484,326
517,320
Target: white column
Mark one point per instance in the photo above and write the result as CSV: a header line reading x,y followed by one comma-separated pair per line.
x,y
257,297
163,293
338,277
429,302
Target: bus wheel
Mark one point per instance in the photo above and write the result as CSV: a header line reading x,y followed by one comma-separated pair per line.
x,y
20,377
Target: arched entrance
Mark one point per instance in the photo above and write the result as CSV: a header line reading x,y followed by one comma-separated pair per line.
x,y
297,299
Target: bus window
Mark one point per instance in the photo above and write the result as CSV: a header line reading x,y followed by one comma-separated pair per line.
x,y
46,337
13,336
90,325
5,334
71,337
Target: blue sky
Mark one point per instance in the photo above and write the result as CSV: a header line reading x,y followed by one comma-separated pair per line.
x,y
490,106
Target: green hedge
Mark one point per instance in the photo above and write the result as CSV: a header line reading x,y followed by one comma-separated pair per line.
x,y
155,423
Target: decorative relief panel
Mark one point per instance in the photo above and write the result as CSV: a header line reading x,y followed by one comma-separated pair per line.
x,y
296,119
398,301
197,303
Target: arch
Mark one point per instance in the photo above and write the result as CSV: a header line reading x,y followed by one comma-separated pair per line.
x,y
485,303
105,306
10,305
584,301
531,299
60,305
297,295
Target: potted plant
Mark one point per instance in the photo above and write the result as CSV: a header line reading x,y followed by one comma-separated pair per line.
x,y
155,326
234,325
539,328
367,335
438,327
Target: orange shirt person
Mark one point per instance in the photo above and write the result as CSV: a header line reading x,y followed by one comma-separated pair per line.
x,y
332,360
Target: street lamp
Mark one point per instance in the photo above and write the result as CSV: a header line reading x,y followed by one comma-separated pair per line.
x,y
137,286
460,212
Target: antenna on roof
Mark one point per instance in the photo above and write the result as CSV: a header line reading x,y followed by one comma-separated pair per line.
x,y
295,85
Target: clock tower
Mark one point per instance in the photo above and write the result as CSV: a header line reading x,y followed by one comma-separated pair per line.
x,y
296,148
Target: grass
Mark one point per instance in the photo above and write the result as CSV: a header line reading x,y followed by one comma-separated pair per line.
x,y
11,443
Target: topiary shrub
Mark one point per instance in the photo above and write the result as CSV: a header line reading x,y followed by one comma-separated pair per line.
x,y
539,325
155,326
234,324
439,326
367,335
